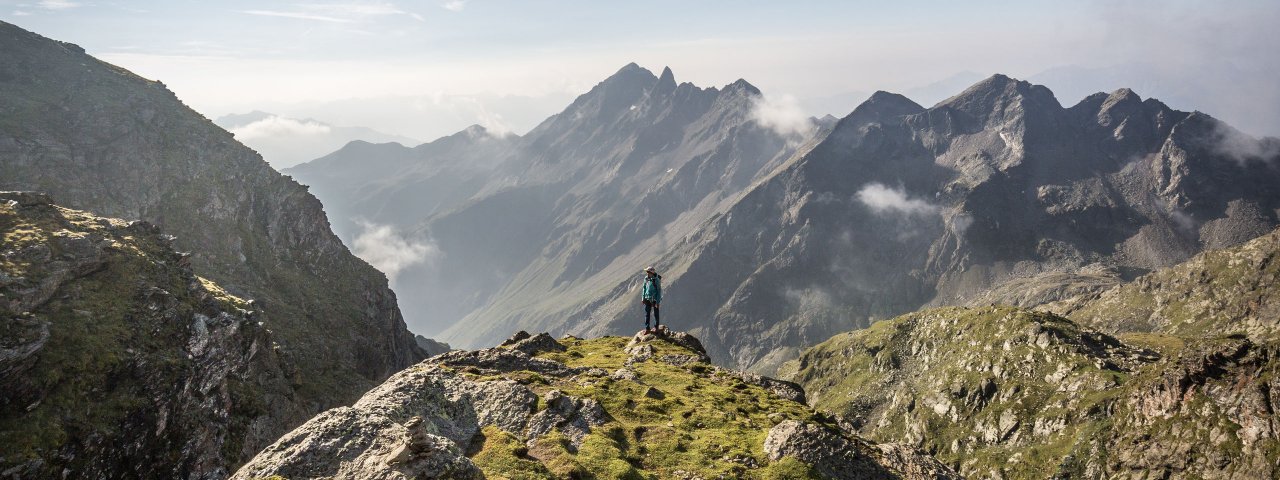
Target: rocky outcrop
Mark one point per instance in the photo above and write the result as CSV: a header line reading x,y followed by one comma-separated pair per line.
x,y
980,386
98,138
117,360
557,413
835,455
1232,290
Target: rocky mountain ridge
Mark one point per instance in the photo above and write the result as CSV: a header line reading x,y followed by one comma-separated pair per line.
x,y
536,407
902,206
575,206
1172,375
118,361
98,138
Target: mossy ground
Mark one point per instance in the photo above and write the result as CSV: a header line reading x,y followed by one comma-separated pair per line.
x,y
705,422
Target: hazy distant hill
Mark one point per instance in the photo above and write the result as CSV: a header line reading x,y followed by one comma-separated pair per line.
x,y
765,252
285,142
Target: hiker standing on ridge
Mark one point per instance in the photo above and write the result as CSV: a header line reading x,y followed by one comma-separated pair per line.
x,y
651,296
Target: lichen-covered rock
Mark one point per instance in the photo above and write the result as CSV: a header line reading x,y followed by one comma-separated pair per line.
x,y
117,361
835,455
572,416
536,344
357,444
559,414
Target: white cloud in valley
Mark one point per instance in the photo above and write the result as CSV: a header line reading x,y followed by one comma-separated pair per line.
x,y
275,126
389,251
884,200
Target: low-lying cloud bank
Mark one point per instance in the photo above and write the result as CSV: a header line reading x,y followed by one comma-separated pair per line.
x,y
275,126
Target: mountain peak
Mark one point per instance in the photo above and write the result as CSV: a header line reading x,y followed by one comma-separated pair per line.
x,y
666,82
990,96
742,86
882,106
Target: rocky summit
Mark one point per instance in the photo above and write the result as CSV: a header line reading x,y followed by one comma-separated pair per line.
x,y
537,407
1172,375
117,360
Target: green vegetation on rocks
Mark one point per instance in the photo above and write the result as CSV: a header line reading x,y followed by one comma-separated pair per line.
x,y
117,360
1004,392
649,407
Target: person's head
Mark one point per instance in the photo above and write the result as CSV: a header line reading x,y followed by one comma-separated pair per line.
x,y
650,271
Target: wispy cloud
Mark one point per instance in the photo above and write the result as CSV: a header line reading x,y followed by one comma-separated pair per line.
x,y
337,12
885,200
20,13
275,126
56,4
455,5
296,15
782,114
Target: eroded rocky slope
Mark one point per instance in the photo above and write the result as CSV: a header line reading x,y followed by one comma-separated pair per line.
x,y
117,360
1215,293
535,407
1172,375
99,138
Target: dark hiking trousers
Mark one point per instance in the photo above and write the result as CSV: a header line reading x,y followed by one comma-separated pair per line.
x,y
650,307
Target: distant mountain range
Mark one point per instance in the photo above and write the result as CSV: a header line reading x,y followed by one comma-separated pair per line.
x,y
285,142
581,202
770,243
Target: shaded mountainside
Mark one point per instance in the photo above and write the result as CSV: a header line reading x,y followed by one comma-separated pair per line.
x,y
98,138
535,407
902,206
1183,382
118,361
568,211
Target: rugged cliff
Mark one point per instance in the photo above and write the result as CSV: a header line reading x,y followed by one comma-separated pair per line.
x,y
536,407
118,361
98,138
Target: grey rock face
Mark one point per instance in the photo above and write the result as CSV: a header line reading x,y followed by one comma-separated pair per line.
x,y
351,443
541,342
418,423
572,416
837,456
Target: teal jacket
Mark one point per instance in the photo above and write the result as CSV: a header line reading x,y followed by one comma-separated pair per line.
x,y
652,290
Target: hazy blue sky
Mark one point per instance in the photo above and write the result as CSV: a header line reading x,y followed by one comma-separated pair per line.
x,y
427,68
